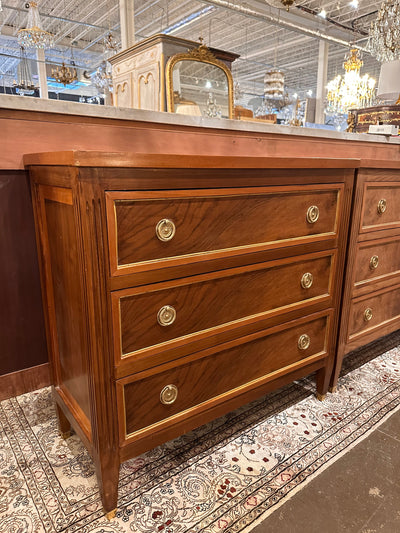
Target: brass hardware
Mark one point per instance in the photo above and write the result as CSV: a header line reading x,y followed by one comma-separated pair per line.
x,y
368,314
65,434
321,397
382,206
304,342
373,262
307,280
312,214
333,389
165,229
166,315
169,394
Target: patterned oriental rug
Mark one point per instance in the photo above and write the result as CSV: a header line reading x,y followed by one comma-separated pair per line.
x,y
227,475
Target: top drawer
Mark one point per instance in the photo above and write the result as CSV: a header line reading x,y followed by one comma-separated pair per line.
x,y
381,209
174,227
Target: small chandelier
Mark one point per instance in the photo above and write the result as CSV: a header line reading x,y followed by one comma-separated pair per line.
x,y
33,36
64,75
24,84
351,90
384,34
274,90
287,3
102,79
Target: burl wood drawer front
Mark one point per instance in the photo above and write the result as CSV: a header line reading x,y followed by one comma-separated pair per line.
x,y
374,311
183,226
148,399
381,208
165,315
377,260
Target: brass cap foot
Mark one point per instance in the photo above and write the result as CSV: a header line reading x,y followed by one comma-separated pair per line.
x,y
321,397
65,435
111,514
333,389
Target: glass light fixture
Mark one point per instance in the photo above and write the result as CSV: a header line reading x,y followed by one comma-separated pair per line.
x,y
351,90
384,34
274,90
24,85
33,36
102,78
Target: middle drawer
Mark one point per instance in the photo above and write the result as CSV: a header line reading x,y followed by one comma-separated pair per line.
x,y
151,319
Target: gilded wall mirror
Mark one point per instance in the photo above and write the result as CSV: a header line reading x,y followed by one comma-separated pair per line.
x,y
198,84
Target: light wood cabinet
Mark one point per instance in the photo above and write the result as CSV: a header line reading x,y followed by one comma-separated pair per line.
x,y
177,288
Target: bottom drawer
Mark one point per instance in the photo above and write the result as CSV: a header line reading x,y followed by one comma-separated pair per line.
x,y
373,312
149,398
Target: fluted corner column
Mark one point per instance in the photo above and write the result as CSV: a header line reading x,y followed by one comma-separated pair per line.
x,y
127,20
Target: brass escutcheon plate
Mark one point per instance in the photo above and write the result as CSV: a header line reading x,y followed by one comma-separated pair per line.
x,y
312,214
368,314
373,262
382,205
165,229
166,315
168,394
304,342
307,280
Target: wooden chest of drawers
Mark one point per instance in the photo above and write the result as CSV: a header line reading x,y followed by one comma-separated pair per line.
x,y
179,288
371,301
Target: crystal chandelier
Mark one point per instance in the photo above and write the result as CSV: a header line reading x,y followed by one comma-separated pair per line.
x,y
33,36
24,84
64,75
351,90
102,79
384,34
274,90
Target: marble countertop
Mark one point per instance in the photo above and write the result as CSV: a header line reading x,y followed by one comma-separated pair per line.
x,y
26,103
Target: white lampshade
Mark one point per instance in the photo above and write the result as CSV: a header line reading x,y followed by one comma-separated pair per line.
x,y
389,80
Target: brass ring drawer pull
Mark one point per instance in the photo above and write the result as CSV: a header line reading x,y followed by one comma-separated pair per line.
x,y
165,229
368,314
374,262
166,315
312,214
382,206
304,342
307,280
169,394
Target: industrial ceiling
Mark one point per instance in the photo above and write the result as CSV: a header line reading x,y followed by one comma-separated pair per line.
x,y
263,33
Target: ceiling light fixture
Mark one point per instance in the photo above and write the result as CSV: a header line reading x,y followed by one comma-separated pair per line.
x,y
350,91
287,3
384,34
24,84
322,14
354,3
33,36
64,75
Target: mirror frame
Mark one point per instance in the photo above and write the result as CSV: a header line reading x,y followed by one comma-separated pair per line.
x,y
202,54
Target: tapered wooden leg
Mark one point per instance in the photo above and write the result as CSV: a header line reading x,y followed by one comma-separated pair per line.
x,y
63,423
107,471
323,376
335,373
